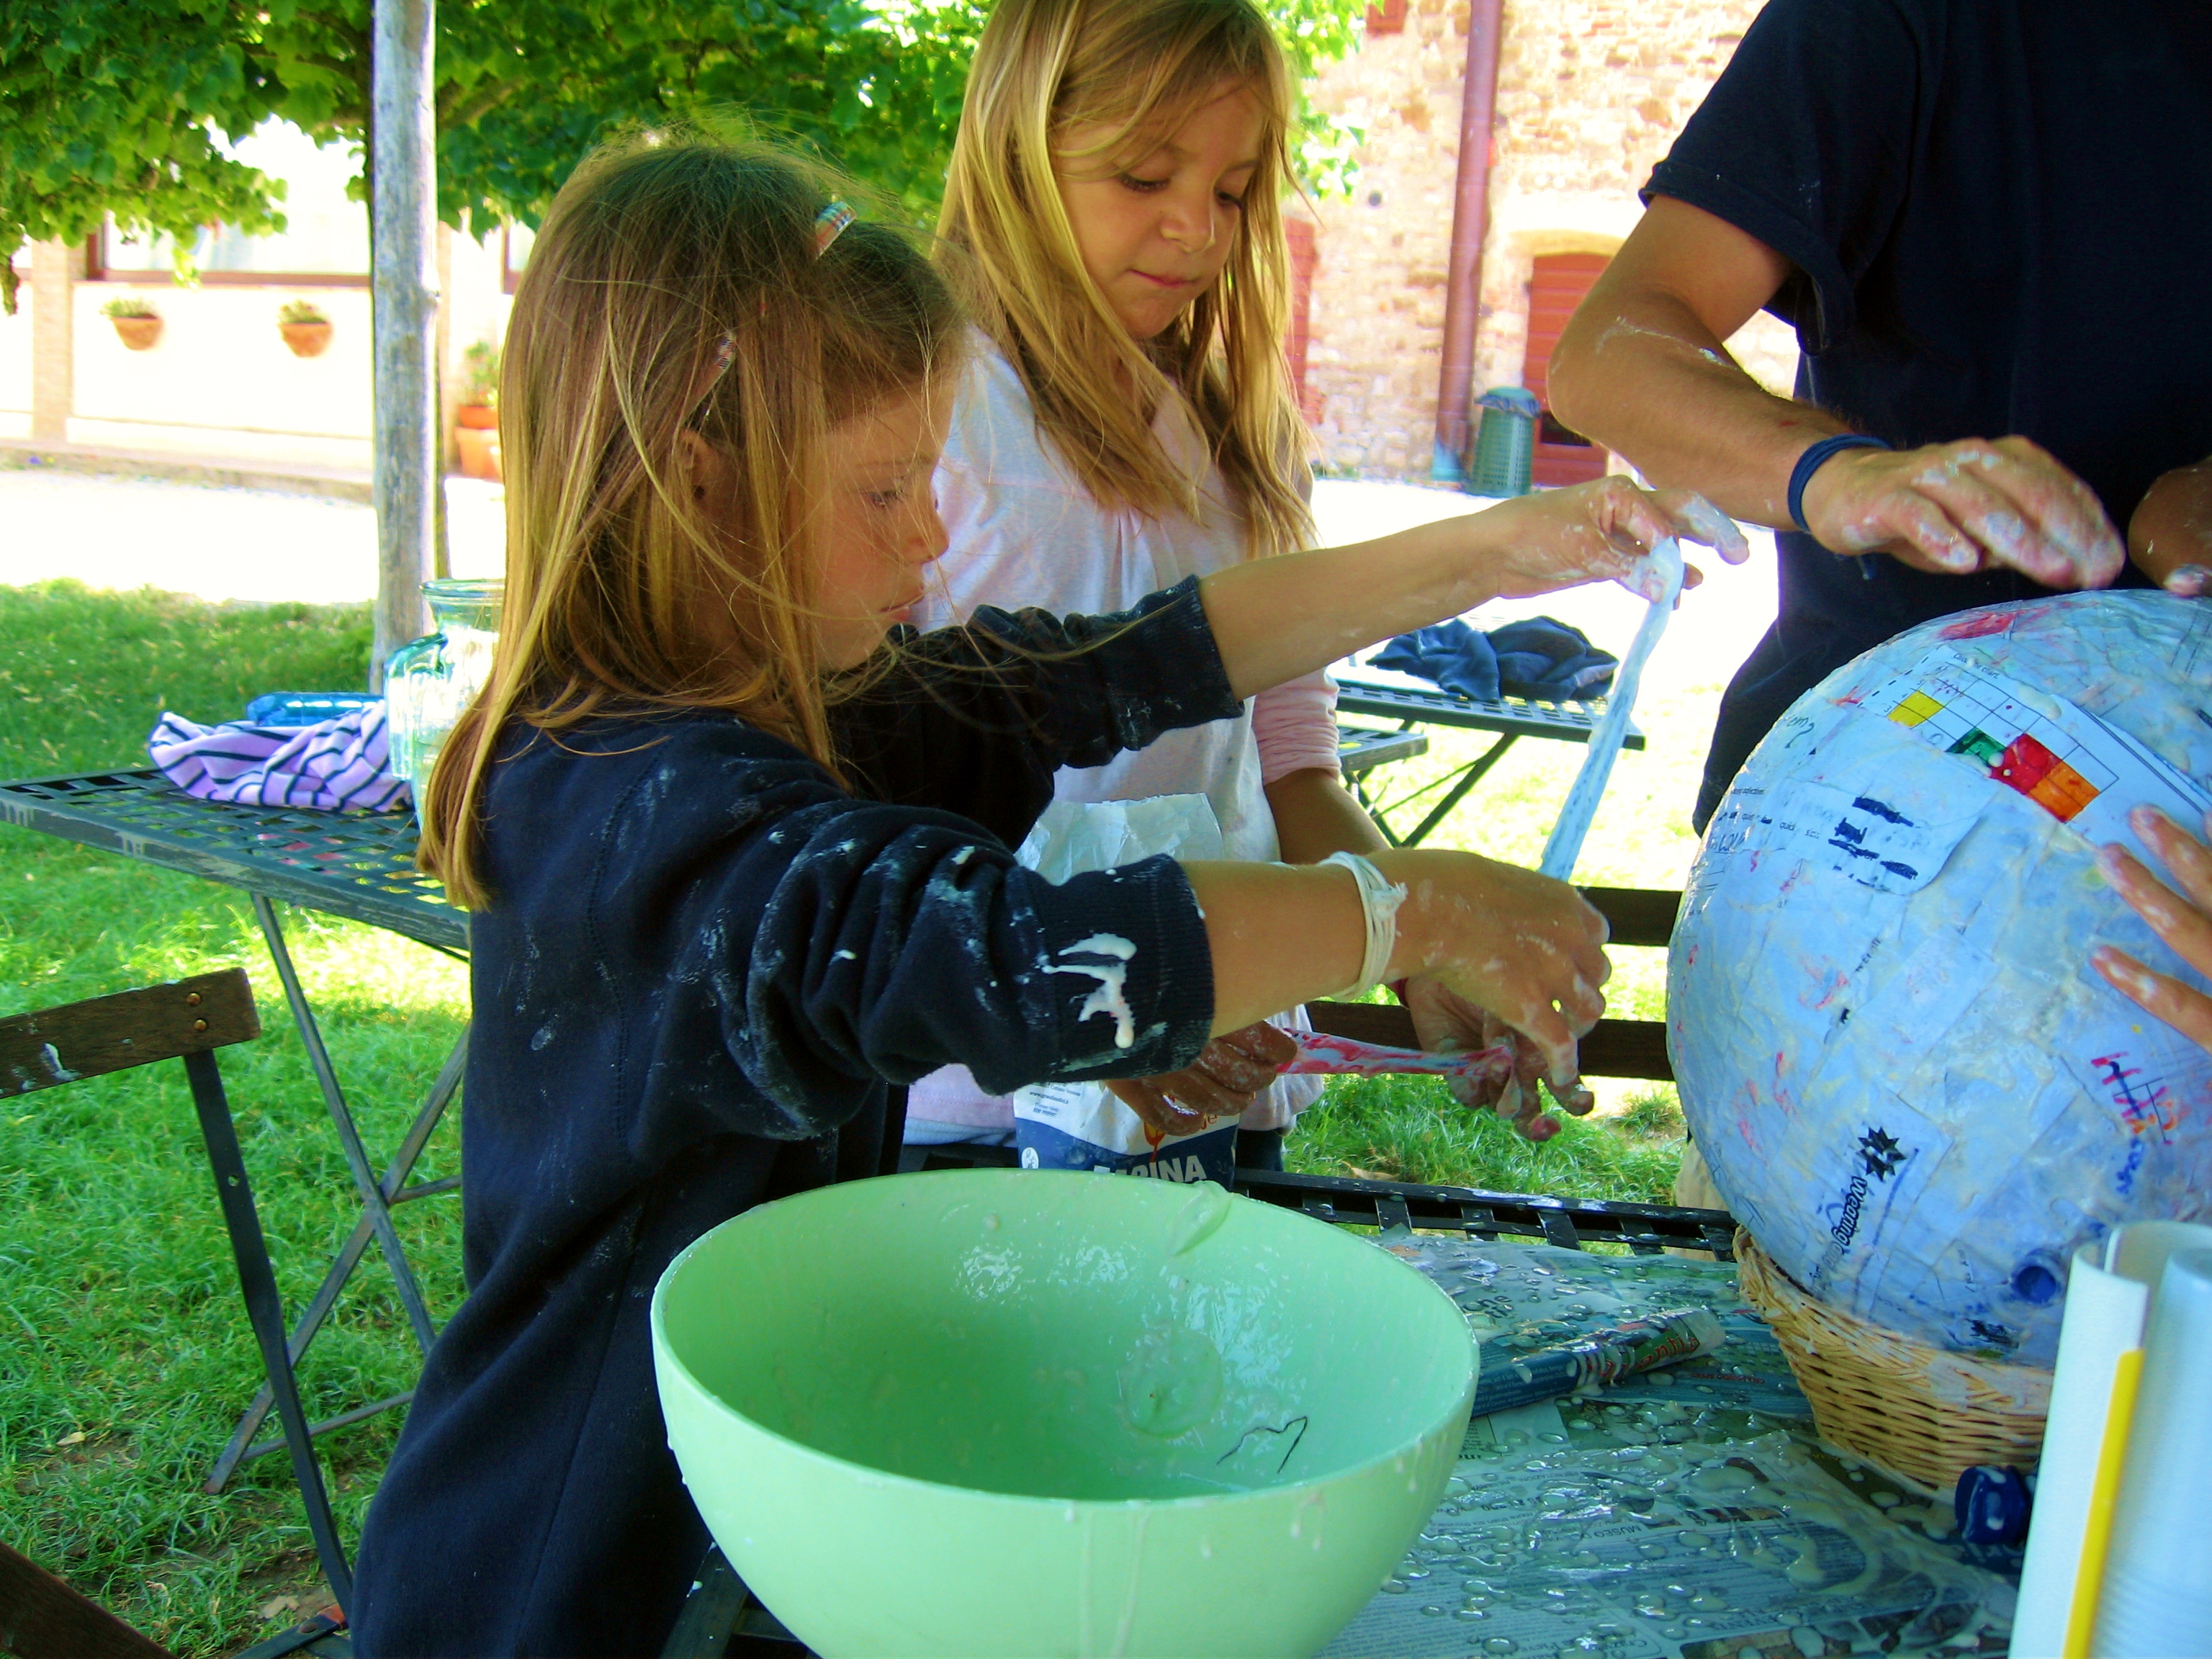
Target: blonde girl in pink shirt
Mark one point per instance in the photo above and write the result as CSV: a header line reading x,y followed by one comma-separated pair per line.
x,y
1112,216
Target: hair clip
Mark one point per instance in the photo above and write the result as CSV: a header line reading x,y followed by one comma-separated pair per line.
x,y
725,351
829,224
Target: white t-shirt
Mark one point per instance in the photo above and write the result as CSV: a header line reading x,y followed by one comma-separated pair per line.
x,y
1023,531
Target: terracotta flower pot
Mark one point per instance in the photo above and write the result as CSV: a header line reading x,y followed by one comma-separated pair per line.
x,y
139,333
305,339
479,448
481,416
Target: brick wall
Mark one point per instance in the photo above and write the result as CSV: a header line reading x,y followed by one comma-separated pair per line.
x,y
1590,93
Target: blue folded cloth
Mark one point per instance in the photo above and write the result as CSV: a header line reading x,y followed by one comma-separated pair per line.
x,y
1541,657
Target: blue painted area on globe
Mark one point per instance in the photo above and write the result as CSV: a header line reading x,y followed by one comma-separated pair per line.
x,y
1910,1084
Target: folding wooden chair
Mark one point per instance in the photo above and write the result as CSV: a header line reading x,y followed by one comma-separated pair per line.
x,y
188,1019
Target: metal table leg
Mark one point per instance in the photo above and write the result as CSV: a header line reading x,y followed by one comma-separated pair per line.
x,y
243,1448
374,1198
721,1619
1468,777
265,1309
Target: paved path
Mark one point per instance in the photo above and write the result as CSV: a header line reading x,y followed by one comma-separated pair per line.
x,y
219,544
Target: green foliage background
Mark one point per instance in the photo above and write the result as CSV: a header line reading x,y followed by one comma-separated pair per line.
x,y
120,106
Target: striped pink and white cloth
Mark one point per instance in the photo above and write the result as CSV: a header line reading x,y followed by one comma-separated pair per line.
x,y
336,765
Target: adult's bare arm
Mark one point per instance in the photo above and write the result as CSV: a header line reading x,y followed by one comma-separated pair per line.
x,y
1643,369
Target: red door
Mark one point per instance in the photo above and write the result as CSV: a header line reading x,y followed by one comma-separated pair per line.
x,y
1556,288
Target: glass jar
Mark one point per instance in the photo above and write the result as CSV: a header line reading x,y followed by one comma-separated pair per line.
x,y
429,682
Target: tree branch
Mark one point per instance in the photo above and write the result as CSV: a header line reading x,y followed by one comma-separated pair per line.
x,y
453,117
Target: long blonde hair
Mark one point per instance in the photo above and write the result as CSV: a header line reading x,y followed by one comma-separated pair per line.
x,y
677,287
1140,67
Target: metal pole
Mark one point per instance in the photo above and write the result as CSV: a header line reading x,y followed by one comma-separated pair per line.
x,y
1470,222
404,291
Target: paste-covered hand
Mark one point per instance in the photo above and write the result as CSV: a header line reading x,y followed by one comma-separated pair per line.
x,y
1224,1081
1955,508
2170,533
1599,531
1447,1023
1496,954
2183,920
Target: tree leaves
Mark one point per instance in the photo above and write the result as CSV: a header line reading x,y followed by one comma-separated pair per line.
x,y
109,106
116,106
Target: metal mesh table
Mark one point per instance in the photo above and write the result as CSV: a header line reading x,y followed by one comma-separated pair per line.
x,y
1361,748
1511,718
358,864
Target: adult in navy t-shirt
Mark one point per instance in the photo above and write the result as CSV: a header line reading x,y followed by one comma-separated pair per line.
x,y
1990,223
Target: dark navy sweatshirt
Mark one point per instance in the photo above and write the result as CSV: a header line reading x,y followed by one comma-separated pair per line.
x,y
703,962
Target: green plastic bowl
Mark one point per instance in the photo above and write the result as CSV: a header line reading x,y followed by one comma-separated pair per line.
x,y
1025,1413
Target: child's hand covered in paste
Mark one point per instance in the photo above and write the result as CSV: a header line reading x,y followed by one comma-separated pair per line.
x,y
1224,1081
1601,531
1496,954
1447,1023
2183,920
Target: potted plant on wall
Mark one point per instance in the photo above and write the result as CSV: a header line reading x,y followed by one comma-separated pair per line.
x,y
136,323
477,417
305,329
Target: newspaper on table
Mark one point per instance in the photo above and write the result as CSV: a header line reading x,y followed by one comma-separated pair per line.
x,y
1686,1514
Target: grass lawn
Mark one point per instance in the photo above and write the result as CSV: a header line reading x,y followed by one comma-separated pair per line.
x,y
123,1353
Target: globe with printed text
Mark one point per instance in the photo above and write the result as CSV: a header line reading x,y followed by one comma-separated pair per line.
x,y
1910,1086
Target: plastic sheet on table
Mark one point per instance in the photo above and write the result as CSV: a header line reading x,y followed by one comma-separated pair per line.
x,y
1690,1514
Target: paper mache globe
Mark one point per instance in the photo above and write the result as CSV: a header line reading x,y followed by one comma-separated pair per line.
x,y
1910,1086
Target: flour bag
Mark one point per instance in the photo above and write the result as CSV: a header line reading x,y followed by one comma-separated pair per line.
x,y
1082,1125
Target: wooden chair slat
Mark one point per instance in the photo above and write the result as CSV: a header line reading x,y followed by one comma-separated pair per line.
x,y
43,1618
53,1046
1639,916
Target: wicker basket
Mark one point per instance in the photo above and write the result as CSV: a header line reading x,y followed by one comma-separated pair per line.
x,y
1923,1412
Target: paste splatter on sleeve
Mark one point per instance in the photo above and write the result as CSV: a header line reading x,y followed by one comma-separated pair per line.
x,y
891,947
730,943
